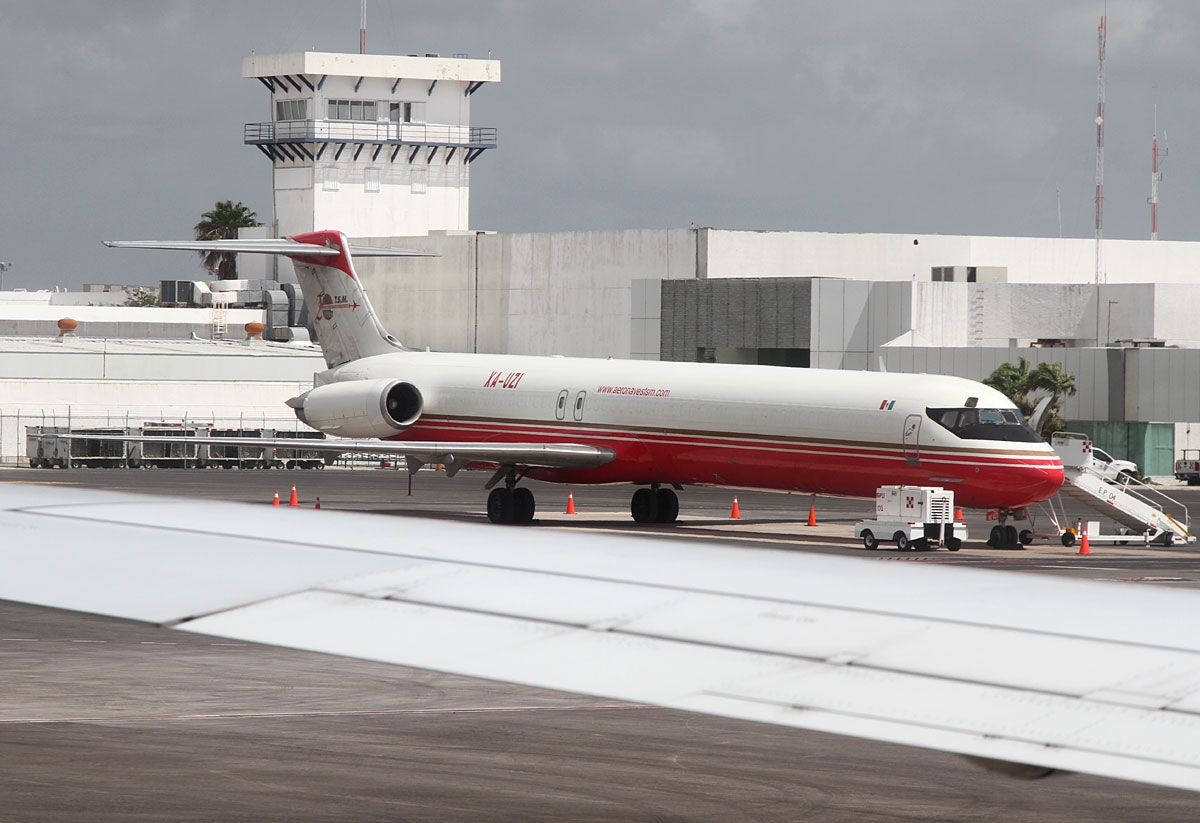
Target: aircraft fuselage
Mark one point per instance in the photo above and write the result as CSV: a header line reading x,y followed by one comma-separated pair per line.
x,y
764,427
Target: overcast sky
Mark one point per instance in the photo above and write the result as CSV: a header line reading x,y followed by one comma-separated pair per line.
x,y
123,118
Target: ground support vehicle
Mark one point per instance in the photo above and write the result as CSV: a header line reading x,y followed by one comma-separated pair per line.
x,y
182,455
917,518
302,458
1187,468
217,454
1148,514
45,449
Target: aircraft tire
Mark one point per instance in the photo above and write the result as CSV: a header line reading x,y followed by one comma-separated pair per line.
x,y
996,537
523,505
668,506
644,506
1011,539
500,506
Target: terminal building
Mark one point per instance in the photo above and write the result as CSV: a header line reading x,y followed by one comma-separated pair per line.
x,y
381,147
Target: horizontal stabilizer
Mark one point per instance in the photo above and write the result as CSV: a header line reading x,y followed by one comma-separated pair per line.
x,y
283,246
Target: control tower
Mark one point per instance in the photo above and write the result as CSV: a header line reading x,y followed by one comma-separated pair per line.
x,y
373,145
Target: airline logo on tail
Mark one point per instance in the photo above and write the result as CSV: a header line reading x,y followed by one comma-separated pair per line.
x,y
327,302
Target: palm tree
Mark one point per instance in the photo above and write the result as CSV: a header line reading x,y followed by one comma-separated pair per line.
x,y
1052,380
1025,387
222,223
1013,382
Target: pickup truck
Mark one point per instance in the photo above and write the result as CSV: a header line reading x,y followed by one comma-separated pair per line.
x,y
1110,468
1187,468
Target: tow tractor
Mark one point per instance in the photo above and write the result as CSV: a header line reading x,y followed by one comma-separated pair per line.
x,y
917,518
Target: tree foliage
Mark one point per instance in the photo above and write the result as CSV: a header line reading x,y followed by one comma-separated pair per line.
x,y
222,223
1025,387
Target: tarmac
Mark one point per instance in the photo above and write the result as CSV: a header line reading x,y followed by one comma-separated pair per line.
x,y
106,720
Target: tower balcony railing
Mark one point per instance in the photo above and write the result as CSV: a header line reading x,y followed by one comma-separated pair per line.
x,y
340,131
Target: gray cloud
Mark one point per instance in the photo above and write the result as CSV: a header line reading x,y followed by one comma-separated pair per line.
x,y
124,118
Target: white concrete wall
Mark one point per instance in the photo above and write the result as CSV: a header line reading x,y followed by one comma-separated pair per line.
x,y
396,208
912,257
569,293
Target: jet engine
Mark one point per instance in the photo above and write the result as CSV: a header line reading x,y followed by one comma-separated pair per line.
x,y
360,408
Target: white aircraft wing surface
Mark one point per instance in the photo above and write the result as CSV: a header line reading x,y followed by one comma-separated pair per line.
x,y
1082,676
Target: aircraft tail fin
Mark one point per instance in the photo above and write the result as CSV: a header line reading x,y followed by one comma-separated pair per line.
x,y
346,325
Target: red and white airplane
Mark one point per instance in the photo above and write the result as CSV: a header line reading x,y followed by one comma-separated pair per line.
x,y
658,425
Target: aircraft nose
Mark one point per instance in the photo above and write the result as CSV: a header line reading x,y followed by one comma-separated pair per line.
x,y
1050,479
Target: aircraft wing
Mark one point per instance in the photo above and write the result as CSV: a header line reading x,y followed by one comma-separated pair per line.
x,y
1059,673
453,455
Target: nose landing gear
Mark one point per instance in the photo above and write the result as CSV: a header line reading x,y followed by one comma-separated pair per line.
x,y
1005,535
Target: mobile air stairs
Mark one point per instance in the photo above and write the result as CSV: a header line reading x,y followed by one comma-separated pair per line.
x,y
1148,515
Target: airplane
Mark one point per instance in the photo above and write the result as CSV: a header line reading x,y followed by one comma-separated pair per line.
x,y
1025,674
657,425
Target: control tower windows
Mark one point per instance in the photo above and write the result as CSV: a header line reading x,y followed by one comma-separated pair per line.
x,y
291,109
406,112
362,111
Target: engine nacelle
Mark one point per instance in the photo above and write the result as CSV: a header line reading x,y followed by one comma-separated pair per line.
x,y
360,408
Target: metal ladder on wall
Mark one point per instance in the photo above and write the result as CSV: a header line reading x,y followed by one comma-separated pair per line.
x,y
220,322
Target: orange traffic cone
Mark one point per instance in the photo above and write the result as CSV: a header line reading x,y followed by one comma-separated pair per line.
x,y
570,503
736,513
1083,543
958,515
812,514
275,502
318,504
293,500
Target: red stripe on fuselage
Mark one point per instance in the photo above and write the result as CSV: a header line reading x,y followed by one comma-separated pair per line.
x,y
980,478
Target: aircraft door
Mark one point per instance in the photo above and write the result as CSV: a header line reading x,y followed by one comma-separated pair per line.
x,y
912,439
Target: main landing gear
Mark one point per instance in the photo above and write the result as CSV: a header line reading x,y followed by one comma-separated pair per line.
x,y
655,505
510,504
515,506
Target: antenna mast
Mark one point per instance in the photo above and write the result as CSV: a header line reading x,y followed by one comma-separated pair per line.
x,y
1102,36
362,28
1155,177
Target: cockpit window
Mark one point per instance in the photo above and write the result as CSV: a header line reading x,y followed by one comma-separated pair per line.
x,y
984,424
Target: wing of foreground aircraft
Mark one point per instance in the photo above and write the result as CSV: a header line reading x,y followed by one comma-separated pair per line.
x,y
1059,674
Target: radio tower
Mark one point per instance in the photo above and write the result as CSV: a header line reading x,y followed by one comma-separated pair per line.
x,y
1155,177
1102,32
